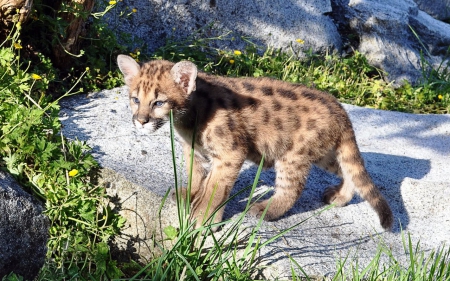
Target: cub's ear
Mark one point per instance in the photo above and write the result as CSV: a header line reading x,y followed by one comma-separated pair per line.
x,y
129,68
185,73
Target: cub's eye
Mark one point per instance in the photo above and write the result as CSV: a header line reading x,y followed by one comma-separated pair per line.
x,y
159,103
135,100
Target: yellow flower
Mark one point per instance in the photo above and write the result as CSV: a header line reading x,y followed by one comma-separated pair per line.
x,y
231,61
300,41
73,173
440,97
87,68
112,2
35,76
134,10
17,45
237,52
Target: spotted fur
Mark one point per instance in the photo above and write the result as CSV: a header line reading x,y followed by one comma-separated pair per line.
x,y
236,119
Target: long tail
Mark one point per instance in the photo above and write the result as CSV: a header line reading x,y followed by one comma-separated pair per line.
x,y
352,166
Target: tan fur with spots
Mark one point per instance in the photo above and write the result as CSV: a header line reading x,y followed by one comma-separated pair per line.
x,y
236,119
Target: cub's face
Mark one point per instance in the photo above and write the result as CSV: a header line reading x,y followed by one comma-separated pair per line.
x,y
155,88
150,108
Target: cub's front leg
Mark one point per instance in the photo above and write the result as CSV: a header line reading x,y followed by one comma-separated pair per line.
x,y
216,188
199,173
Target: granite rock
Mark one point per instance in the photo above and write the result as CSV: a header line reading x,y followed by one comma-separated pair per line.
x,y
23,230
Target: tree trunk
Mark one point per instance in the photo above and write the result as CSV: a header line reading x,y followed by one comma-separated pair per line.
x,y
69,43
14,10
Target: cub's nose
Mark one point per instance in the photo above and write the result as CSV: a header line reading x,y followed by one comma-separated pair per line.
x,y
143,119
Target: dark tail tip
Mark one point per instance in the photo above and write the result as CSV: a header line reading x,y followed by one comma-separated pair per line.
x,y
385,214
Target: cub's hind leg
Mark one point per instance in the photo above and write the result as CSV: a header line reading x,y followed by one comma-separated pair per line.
x,y
289,184
342,193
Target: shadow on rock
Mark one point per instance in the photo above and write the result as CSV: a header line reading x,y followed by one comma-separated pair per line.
x,y
387,171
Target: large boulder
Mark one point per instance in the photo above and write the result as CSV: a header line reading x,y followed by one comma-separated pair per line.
x,y
396,36
23,230
438,9
277,23
382,30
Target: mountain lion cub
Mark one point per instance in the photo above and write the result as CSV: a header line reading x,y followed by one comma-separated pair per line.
x,y
244,118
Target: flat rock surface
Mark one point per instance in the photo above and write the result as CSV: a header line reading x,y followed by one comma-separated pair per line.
x,y
407,155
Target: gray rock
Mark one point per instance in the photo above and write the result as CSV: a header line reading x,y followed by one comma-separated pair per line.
x,y
144,227
275,23
434,34
23,230
380,29
385,38
396,37
438,9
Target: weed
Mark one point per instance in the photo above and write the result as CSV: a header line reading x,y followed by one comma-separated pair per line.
x,y
12,277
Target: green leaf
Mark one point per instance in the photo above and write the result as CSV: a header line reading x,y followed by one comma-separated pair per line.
x,y
171,232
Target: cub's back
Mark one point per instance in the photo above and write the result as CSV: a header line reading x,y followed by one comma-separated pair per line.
x,y
273,116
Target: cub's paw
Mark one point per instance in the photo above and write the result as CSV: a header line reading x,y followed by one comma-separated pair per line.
x,y
332,195
258,209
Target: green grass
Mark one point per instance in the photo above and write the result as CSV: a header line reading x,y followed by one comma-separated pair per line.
x,y
62,173
435,265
